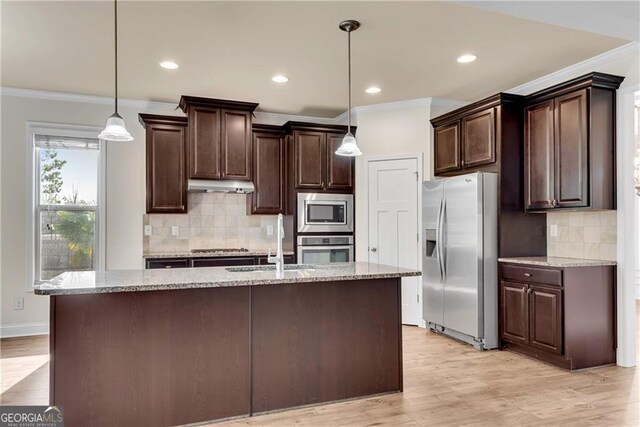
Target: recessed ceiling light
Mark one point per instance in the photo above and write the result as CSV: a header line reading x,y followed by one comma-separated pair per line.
x,y
466,58
169,65
280,78
373,89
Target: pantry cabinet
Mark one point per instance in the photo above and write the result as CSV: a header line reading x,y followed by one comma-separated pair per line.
x,y
218,138
165,163
569,157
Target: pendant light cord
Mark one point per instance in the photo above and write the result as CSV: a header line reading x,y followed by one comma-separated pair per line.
x,y
349,57
115,20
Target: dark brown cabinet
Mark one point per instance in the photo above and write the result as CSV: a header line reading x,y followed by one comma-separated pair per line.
x,y
310,160
545,318
155,263
478,139
531,315
539,167
222,261
563,316
165,163
339,168
447,147
269,171
465,139
316,166
219,138
570,145
514,312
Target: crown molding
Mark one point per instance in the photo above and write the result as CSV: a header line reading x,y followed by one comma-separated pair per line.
x,y
279,119
577,69
85,99
263,117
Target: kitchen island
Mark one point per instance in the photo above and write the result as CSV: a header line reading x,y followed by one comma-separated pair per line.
x,y
168,347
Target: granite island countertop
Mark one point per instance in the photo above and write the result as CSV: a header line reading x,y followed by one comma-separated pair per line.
x,y
211,254
96,282
557,261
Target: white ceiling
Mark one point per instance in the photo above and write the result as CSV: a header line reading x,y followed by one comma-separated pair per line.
x,y
232,49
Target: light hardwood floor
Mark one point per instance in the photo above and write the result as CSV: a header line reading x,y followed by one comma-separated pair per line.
x,y
446,383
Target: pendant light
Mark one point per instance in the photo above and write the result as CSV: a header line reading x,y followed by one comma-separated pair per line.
x,y
349,146
115,129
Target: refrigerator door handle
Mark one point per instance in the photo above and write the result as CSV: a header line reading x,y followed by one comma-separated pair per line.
x,y
441,242
439,239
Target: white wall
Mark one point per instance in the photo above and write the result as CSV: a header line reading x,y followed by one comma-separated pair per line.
x,y
125,197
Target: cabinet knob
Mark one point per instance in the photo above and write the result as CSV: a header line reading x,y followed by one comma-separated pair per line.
x,y
374,249
554,203
529,290
167,266
527,274
462,163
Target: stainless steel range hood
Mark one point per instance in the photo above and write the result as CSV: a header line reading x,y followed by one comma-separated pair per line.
x,y
219,186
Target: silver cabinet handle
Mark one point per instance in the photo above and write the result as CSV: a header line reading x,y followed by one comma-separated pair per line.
x,y
167,266
374,249
527,274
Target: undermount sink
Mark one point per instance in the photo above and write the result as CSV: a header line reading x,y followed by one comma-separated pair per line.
x,y
271,268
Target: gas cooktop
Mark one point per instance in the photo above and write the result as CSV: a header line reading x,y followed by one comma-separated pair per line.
x,y
208,250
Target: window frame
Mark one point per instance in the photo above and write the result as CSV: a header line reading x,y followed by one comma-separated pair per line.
x,y
33,192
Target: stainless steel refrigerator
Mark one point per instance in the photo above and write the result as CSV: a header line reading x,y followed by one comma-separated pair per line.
x,y
460,262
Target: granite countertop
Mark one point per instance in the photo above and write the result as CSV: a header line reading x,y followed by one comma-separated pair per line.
x,y
189,254
557,261
95,282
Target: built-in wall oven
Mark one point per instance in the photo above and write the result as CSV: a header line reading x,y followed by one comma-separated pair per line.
x,y
325,213
325,249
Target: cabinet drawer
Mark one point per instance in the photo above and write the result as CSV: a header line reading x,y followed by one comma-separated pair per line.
x,y
543,276
167,263
222,262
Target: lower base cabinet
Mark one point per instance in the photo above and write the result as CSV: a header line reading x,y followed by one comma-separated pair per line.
x,y
154,263
564,316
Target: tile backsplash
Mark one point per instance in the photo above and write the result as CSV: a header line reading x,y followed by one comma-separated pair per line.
x,y
588,235
215,220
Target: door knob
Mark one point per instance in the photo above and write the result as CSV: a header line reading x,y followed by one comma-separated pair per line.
x,y
374,249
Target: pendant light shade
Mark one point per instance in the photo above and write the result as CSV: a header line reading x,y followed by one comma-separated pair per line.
x,y
349,145
115,129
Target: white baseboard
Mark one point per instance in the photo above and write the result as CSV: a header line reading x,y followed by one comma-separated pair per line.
x,y
24,330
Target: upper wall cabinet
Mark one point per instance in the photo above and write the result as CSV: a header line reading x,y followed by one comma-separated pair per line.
x,y
269,171
166,158
466,139
316,166
569,158
218,138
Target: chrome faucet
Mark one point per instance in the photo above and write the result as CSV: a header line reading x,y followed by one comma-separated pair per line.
x,y
278,260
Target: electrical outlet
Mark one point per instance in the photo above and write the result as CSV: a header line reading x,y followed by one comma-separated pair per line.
x,y
269,230
18,303
148,230
175,230
553,230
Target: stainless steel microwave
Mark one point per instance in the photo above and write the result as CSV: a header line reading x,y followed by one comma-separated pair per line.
x,y
325,213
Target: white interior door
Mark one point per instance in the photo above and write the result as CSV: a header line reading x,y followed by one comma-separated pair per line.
x,y
393,225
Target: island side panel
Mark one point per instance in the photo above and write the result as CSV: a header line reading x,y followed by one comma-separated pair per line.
x,y
320,342
151,358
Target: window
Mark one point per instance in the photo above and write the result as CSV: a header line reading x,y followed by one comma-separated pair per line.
x,y
66,195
